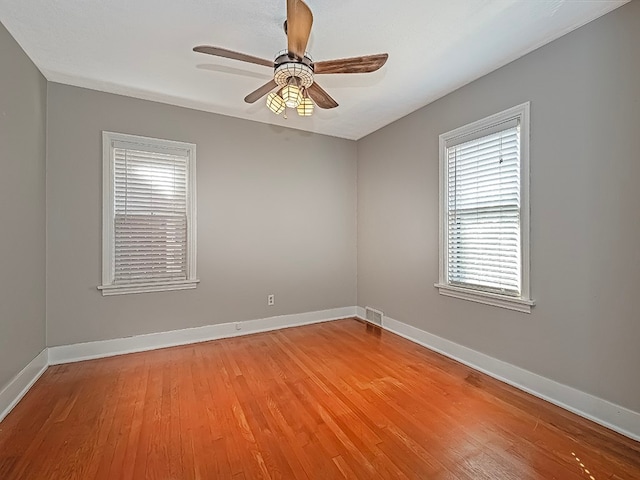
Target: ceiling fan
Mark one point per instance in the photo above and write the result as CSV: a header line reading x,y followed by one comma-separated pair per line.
x,y
293,83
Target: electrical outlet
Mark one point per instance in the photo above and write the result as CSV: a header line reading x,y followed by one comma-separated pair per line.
x,y
271,300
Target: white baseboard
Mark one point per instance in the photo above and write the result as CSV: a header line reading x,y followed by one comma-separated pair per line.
x,y
603,412
140,343
17,388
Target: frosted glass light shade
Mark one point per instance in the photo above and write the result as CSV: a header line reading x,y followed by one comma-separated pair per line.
x,y
305,109
275,103
292,96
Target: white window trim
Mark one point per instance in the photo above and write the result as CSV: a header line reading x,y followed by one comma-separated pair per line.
x,y
108,234
523,303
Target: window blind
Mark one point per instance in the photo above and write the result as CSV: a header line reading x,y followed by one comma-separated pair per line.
x,y
150,216
483,204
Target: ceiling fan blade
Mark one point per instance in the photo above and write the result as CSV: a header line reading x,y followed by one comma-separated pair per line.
x,y
322,98
223,52
260,92
299,21
364,64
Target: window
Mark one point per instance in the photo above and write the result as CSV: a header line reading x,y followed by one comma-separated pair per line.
x,y
148,215
484,211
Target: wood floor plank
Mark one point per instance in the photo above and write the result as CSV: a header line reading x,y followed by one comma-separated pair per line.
x,y
336,400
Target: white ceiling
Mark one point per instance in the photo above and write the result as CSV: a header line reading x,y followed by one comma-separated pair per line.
x,y
143,49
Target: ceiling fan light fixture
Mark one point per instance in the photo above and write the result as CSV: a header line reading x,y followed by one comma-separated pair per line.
x,y
275,103
305,109
294,69
301,72
292,96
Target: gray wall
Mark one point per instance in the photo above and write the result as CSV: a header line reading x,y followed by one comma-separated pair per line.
x,y
276,214
585,227
23,97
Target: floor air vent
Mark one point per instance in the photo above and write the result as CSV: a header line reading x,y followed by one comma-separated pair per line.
x,y
374,316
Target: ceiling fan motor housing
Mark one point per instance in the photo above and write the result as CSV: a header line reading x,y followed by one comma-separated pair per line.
x,y
287,67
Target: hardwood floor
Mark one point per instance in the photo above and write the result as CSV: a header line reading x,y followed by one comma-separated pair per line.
x,y
341,399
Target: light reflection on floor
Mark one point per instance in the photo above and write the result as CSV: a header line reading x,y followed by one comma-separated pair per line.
x,y
584,469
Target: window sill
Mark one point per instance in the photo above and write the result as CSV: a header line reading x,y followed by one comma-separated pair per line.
x,y
147,287
512,303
